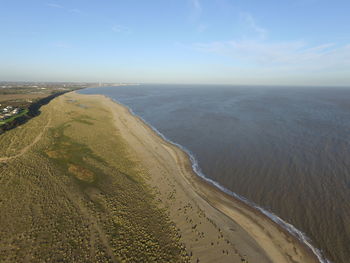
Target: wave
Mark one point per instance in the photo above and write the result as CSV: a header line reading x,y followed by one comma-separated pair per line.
x,y
301,236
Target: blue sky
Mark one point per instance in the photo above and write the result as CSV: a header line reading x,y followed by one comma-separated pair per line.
x,y
290,42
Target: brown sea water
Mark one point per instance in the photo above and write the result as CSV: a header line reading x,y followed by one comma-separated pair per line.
x,y
286,149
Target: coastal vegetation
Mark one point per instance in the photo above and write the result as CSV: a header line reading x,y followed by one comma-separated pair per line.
x,y
72,192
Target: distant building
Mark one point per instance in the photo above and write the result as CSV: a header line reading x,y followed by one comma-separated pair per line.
x,y
15,111
8,111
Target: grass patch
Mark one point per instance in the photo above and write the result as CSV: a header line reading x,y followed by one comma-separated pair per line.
x,y
81,185
72,156
85,119
137,228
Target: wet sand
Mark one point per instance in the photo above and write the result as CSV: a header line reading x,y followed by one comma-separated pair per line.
x,y
215,227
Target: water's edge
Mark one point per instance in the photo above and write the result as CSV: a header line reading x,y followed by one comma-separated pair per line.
x,y
195,167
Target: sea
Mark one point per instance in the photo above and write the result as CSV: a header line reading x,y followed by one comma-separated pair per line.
x,y
284,150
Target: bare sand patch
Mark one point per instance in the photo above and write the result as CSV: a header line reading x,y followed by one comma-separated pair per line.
x,y
81,173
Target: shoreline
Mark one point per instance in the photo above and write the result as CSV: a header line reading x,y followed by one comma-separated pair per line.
x,y
283,225
277,242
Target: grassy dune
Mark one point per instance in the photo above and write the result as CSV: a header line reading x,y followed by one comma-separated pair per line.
x,y
71,192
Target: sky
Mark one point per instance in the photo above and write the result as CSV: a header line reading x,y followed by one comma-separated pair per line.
x,y
241,42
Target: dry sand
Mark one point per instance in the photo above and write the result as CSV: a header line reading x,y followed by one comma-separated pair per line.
x,y
215,227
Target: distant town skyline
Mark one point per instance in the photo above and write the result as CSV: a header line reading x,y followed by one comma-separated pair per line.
x,y
251,42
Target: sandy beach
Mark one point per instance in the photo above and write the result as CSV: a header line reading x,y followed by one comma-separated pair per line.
x,y
214,226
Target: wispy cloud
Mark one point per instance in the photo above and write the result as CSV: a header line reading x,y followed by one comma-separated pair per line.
x,y
120,29
72,10
294,55
202,28
260,52
250,21
197,5
75,11
196,9
53,5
